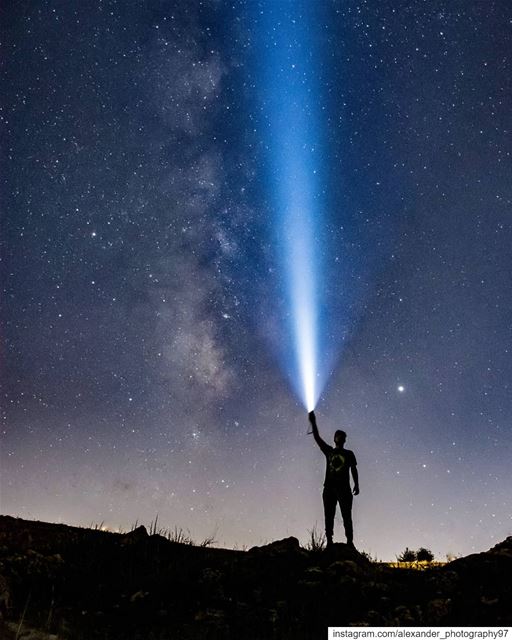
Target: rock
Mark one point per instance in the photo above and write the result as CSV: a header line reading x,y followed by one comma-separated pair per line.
x,y
403,616
138,595
312,579
210,615
284,546
340,551
138,534
374,618
340,568
314,573
437,610
309,586
384,604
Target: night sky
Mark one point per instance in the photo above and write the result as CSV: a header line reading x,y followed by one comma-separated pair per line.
x,y
141,317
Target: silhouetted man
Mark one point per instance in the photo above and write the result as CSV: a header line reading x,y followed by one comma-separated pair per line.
x,y
340,462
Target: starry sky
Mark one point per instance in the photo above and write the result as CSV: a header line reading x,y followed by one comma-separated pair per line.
x,y
141,317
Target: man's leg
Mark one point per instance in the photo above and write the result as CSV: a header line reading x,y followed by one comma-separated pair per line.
x,y
345,500
330,500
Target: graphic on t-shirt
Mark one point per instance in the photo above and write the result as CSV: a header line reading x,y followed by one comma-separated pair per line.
x,y
337,463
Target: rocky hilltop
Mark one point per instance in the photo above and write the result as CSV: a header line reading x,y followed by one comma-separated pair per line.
x,y
62,582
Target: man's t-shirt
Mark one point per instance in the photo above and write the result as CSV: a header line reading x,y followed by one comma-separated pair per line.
x,y
338,463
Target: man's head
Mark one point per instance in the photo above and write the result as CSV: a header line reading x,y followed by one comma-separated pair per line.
x,y
340,437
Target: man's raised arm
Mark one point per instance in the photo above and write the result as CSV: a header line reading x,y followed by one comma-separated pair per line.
x,y
321,443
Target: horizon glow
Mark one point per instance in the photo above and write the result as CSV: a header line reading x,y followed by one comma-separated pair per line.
x,y
290,108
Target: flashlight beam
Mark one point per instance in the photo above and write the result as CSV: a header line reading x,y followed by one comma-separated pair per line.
x,y
290,110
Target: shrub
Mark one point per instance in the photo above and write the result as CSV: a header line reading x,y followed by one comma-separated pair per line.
x,y
407,556
424,555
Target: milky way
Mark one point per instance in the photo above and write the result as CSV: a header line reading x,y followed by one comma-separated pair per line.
x,y
138,273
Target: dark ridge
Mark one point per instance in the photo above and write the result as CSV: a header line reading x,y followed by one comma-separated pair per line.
x,y
63,582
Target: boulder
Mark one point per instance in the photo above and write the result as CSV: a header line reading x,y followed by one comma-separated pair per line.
x,y
285,546
138,534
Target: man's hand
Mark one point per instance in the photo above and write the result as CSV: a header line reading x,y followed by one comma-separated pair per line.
x,y
312,418
356,490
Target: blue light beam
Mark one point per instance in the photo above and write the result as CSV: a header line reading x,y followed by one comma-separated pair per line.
x,y
291,113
